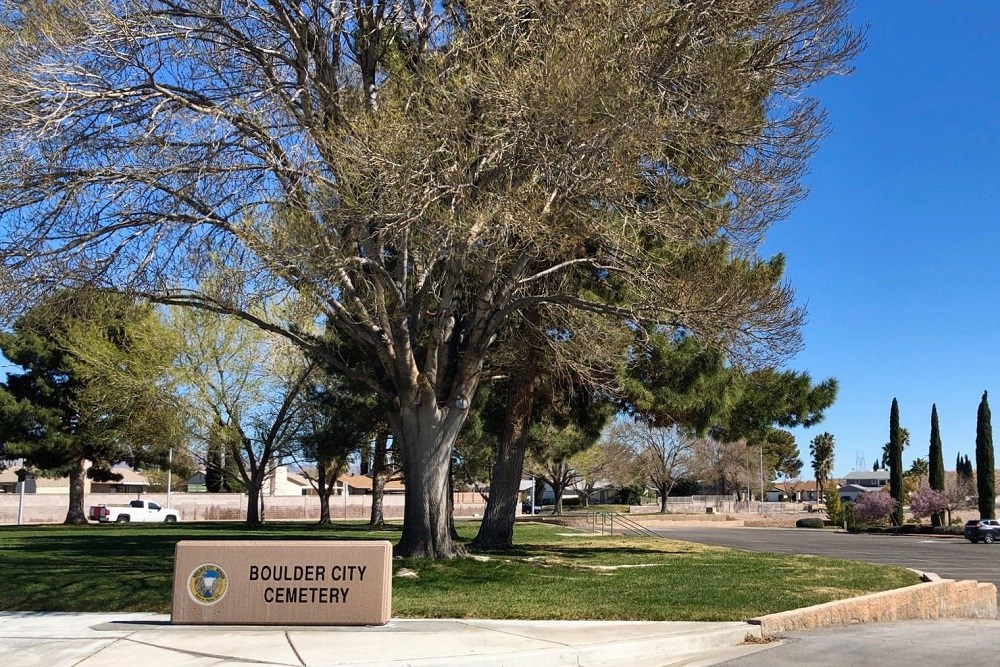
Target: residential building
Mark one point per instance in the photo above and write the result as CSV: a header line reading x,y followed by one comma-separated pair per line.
x,y
862,481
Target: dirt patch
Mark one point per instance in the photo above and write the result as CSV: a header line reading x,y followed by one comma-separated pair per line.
x,y
772,522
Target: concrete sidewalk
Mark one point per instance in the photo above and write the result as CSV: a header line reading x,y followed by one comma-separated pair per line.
x,y
148,640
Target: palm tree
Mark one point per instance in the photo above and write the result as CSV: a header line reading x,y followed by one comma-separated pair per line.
x,y
821,449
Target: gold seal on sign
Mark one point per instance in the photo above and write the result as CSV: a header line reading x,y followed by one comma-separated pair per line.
x,y
207,584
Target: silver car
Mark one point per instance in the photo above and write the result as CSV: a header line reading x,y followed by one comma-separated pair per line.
x,y
987,530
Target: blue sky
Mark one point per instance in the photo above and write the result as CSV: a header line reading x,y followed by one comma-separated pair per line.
x,y
895,252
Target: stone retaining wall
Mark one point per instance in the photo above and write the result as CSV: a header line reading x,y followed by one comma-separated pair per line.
x,y
941,598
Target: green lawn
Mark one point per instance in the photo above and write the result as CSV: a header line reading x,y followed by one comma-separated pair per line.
x,y
550,575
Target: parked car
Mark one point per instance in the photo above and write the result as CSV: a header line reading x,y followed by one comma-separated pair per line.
x,y
987,530
138,511
526,508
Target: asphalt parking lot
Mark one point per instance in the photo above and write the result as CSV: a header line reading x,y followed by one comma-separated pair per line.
x,y
949,557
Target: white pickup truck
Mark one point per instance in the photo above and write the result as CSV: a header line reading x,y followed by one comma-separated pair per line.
x,y
137,511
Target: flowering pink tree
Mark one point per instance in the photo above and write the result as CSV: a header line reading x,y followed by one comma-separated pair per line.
x,y
925,501
874,506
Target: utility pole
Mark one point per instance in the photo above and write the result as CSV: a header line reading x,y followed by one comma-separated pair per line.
x,y
532,511
22,477
761,505
170,470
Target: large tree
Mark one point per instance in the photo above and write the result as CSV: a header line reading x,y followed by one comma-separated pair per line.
x,y
781,454
662,454
985,481
896,463
420,171
92,393
673,381
936,456
248,397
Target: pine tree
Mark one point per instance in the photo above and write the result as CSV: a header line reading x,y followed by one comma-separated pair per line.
x,y
937,463
984,462
92,392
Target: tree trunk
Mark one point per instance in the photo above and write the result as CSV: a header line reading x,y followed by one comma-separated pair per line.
x,y
253,502
497,529
427,437
380,475
451,500
323,491
76,515
324,508
558,494
663,498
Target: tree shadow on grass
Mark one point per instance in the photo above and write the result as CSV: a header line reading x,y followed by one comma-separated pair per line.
x,y
577,552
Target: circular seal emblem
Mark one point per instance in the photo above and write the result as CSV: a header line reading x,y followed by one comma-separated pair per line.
x,y
207,584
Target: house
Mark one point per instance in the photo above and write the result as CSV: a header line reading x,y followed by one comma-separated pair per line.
x,y
862,481
194,484
872,479
8,481
362,485
795,492
602,492
281,482
131,482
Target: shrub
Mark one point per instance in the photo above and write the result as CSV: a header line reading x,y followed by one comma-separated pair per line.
x,y
874,506
810,522
631,495
834,506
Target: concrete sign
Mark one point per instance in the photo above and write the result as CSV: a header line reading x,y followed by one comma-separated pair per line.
x,y
282,583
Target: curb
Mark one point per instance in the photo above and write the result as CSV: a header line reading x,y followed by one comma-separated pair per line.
x,y
934,599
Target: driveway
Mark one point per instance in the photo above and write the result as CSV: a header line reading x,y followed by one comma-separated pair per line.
x,y
949,557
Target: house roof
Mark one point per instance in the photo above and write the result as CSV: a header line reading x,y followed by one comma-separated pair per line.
x,y
129,476
788,487
868,474
296,478
365,483
859,487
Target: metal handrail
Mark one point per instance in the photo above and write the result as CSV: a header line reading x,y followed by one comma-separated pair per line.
x,y
607,524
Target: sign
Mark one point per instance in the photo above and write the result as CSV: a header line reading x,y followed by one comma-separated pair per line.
x,y
282,583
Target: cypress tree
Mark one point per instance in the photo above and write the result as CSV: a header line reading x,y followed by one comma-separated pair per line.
x,y
936,463
896,463
966,468
984,462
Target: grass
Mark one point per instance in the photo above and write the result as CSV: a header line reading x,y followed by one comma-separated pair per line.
x,y
549,575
